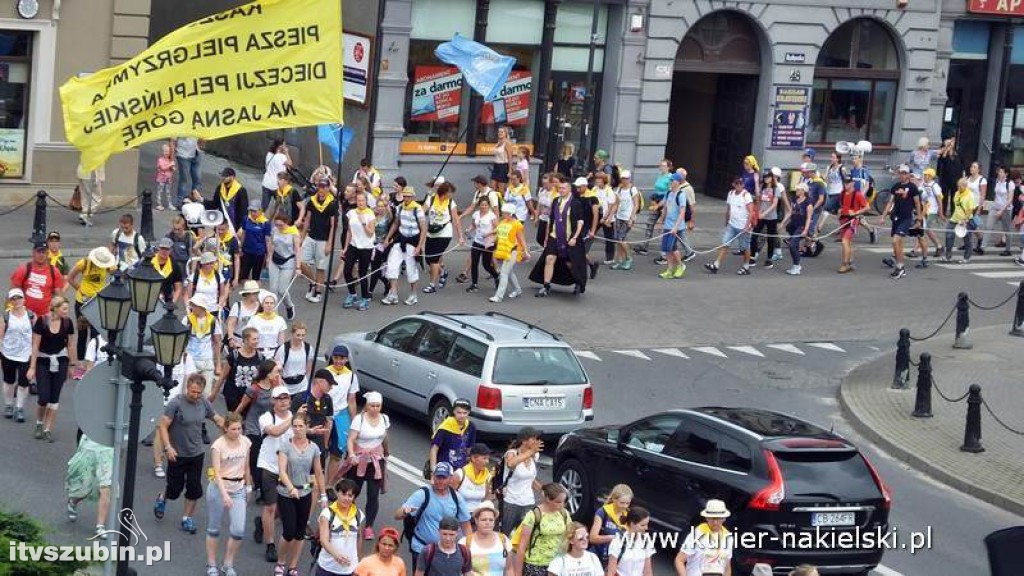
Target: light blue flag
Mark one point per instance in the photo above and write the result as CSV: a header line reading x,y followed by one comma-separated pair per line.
x,y
484,69
337,139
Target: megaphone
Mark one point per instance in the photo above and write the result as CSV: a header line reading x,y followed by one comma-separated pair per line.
x,y
192,212
843,147
861,148
212,218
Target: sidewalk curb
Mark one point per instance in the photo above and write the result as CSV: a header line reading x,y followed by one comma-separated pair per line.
x,y
914,460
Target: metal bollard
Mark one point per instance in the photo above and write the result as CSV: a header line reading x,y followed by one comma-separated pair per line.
x,y
146,219
923,400
972,431
1017,329
963,322
901,378
39,220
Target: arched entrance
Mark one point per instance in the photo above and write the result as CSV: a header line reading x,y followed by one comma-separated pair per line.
x,y
714,100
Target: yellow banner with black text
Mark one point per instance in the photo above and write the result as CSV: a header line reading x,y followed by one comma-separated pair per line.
x,y
266,65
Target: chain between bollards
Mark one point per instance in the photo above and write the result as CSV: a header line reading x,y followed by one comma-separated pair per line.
x,y
901,377
1017,328
923,400
972,429
963,322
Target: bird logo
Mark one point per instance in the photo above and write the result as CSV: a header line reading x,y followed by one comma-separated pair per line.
x,y
131,526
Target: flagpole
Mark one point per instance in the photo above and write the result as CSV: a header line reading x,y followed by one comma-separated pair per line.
x,y
330,261
452,151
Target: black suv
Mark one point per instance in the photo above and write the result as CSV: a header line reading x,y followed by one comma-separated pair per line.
x,y
780,476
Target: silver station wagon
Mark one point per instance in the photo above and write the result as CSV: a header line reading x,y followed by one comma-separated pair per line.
x,y
514,373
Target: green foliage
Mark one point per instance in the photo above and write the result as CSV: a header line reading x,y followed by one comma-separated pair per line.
x,y
17,527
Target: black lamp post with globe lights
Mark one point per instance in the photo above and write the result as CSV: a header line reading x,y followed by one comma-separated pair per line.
x,y
116,302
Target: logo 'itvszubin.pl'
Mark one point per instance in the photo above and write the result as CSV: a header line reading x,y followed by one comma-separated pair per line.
x,y
104,547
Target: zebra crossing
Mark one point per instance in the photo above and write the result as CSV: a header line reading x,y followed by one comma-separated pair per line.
x,y
991,266
744,351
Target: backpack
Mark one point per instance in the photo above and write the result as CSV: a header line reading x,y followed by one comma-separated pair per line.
x,y
501,538
28,272
411,521
135,242
288,350
427,205
217,275
517,534
431,550
7,317
500,477
181,249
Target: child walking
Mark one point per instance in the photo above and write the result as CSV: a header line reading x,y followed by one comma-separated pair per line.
x,y
165,166
510,248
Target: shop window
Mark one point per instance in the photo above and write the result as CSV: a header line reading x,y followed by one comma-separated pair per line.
x,y
434,104
15,68
441,19
856,79
515,22
514,109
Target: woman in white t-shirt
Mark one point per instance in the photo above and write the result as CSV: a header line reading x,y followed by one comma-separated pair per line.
x,y
278,160
577,560
1001,212
339,532
605,200
490,549
270,325
978,185
296,359
630,553
484,227
473,481
276,428
518,494
443,224
708,547
368,447
518,194
358,250
542,208
240,312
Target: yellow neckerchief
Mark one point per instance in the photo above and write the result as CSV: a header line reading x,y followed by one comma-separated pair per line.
x,y
816,178
224,240
588,193
618,519
338,371
320,207
290,230
521,190
55,257
478,478
436,206
348,518
719,536
211,277
226,237
201,327
283,193
365,210
228,194
260,218
164,269
268,315
451,425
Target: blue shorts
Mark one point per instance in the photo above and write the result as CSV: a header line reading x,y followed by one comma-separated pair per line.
x,y
832,204
621,229
671,242
736,236
901,227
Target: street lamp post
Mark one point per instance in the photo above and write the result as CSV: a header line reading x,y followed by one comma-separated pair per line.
x,y
138,365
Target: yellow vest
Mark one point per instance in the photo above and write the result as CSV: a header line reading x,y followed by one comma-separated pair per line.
x,y
506,233
94,279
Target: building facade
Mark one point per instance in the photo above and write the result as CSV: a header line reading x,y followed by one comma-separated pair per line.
x,y
38,53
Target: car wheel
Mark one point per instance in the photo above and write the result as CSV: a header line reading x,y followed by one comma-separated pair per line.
x,y
573,477
439,410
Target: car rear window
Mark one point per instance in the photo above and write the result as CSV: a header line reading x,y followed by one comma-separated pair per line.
x,y
840,475
537,366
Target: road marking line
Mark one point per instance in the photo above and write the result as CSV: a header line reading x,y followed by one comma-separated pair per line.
x,y
826,346
671,352
710,350
787,348
977,266
1013,283
747,350
1010,274
586,354
886,571
401,468
395,460
634,354
875,348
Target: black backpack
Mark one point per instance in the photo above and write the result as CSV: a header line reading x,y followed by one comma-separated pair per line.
x,y
500,477
411,521
431,550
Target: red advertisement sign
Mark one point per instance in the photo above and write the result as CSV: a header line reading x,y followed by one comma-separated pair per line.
x,y
436,94
513,107
998,7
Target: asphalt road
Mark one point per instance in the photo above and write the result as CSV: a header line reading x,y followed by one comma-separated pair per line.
x,y
622,315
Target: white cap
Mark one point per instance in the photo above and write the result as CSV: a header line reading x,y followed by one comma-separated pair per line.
x,y
373,397
625,174
508,208
581,181
15,293
199,300
439,180
279,391
776,171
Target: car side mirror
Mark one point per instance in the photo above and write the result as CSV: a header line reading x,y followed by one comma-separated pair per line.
x,y
370,336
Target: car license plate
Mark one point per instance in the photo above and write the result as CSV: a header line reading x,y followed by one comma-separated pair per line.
x,y
543,402
833,519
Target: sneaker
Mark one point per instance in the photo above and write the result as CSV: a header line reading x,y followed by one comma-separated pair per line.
x,y
1018,261
462,278
979,251
9,411
776,256
679,271
769,264
744,271
845,268
390,299
472,288
794,270
938,252
898,273
159,471
889,262
188,525
608,262
752,263
515,294
159,208
364,304
494,299
711,267
922,264
667,274
159,507
593,270
229,571
1005,253
315,298
293,572
689,256
737,252
72,510
368,533
912,254
429,289
945,259
257,529
38,432
349,302
412,300
270,555
543,292
19,415
443,280
279,570
101,533
660,261
615,265
332,285
289,313
627,265
212,571
640,250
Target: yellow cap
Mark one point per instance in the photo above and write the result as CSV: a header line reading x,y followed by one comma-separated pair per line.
x,y
929,172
